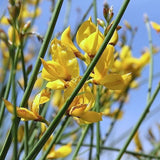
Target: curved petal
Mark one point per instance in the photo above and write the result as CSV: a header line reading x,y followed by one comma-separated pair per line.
x,y
66,38
116,81
21,112
155,26
91,116
62,152
57,84
114,38
45,96
86,29
105,62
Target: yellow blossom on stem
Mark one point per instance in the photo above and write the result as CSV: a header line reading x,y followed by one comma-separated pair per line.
x,y
32,114
101,74
127,63
62,68
155,26
58,99
89,38
20,133
61,152
81,106
66,39
13,35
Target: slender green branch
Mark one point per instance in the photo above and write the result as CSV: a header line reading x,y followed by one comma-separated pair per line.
x,y
7,90
91,141
83,135
25,79
14,97
146,110
95,11
60,114
97,105
151,58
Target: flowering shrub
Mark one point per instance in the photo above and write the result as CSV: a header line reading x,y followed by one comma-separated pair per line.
x,y
58,103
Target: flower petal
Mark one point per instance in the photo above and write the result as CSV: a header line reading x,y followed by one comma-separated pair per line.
x,y
57,84
116,81
21,112
91,116
155,26
62,152
66,38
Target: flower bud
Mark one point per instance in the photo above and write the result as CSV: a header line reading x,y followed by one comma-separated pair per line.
x,y
26,26
128,26
14,10
101,22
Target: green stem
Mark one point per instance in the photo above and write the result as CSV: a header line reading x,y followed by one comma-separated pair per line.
x,y
95,11
25,79
97,105
56,138
151,59
14,97
26,138
35,70
91,141
7,90
138,123
60,114
83,135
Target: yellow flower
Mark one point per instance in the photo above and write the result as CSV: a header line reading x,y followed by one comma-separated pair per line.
x,y
20,133
155,26
66,39
13,36
62,68
89,38
102,75
32,114
81,106
127,63
4,21
58,99
61,152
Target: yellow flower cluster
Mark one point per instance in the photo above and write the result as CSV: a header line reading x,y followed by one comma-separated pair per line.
x,y
62,72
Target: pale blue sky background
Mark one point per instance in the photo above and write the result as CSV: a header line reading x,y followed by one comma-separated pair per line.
x,y
135,16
